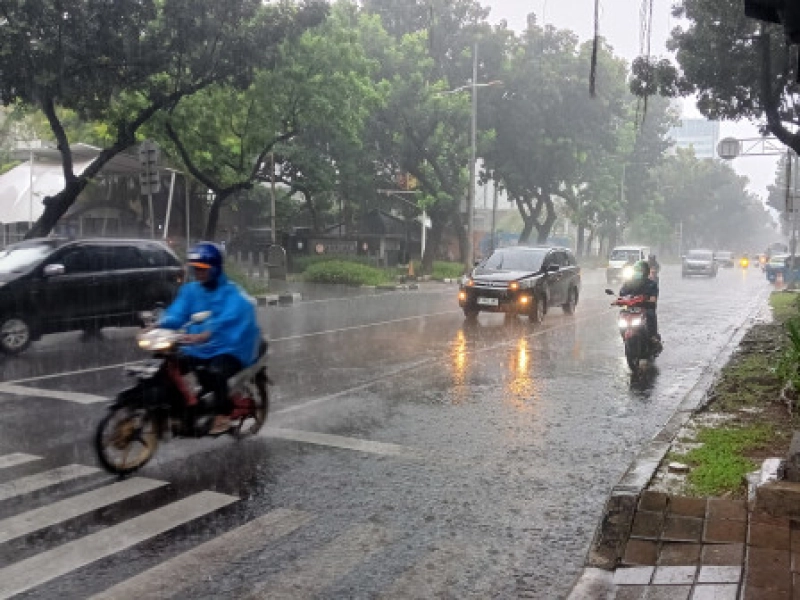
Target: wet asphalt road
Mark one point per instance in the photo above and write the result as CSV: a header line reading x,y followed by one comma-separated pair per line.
x,y
408,454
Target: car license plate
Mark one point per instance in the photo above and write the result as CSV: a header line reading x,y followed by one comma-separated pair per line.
x,y
488,301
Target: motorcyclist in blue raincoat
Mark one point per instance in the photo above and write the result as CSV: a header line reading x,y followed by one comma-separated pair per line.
x,y
228,340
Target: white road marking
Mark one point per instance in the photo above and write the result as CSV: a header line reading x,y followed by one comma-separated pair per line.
x,y
208,559
434,574
272,341
347,443
309,576
41,568
80,398
92,399
18,458
58,512
39,481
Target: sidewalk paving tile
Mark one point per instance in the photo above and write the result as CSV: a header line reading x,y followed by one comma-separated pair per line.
x,y
682,529
669,592
687,507
680,554
653,501
631,592
752,592
719,575
763,518
722,554
769,569
716,592
769,536
718,531
640,552
647,524
722,508
633,576
674,575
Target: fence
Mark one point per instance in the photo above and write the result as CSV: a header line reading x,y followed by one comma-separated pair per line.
x,y
261,266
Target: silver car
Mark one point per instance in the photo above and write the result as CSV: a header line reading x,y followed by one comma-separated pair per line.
x,y
699,262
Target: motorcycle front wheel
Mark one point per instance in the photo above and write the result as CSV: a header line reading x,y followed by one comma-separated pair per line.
x,y
632,353
125,440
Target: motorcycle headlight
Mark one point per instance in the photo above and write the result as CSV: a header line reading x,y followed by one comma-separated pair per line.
x,y
154,344
636,322
627,272
623,323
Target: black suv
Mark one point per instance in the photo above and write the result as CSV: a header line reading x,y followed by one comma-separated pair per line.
x,y
527,280
50,284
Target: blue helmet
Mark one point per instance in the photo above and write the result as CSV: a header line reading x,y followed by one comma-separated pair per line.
x,y
207,255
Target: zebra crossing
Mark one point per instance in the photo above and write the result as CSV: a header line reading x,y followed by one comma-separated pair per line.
x,y
306,576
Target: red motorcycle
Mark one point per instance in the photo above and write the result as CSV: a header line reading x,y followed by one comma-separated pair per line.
x,y
167,401
632,323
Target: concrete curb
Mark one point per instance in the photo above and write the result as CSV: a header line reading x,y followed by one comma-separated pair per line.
x,y
289,298
267,300
615,525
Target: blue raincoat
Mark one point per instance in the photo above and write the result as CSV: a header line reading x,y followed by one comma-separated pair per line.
x,y
233,325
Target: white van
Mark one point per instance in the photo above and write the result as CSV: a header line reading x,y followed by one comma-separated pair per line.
x,y
621,257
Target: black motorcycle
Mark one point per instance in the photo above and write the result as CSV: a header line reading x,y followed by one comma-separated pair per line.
x,y
165,400
632,323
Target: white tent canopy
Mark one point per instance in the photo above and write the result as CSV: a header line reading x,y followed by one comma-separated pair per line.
x,y
23,188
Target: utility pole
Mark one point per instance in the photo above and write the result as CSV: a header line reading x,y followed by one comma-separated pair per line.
x,y
470,258
272,181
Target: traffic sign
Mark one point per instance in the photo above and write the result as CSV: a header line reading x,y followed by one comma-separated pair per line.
x,y
149,178
729,148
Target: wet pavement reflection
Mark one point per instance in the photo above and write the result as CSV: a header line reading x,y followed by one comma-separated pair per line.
x,y
440,455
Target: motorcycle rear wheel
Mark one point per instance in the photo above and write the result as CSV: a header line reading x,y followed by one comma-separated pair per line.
x,y
124,431
258,390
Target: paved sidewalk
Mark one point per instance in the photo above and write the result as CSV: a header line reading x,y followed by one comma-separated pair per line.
x,y
703,549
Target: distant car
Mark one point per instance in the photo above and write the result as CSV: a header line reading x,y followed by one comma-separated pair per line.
x,y
725,259
699,262
621,260
49,285
777,265
523,280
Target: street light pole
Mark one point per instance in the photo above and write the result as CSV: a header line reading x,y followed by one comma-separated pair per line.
x,y
470,257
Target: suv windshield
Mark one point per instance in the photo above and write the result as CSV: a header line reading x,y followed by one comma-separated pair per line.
x,y
700,255
626,255
515,260
16,260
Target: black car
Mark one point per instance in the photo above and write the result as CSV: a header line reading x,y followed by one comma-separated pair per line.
x,y
526,280
50,285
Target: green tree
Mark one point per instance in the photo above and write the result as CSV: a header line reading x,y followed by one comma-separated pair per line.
x,y
739,68
122,62
307,110
553,142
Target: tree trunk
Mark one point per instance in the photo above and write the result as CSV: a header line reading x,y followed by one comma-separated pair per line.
x,y
56,207
579,240
461,234
213,214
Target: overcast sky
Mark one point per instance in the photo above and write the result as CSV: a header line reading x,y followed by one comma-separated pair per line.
x,y
620,25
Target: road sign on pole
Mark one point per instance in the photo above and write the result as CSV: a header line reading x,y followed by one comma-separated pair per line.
x,y
729,148
148,159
